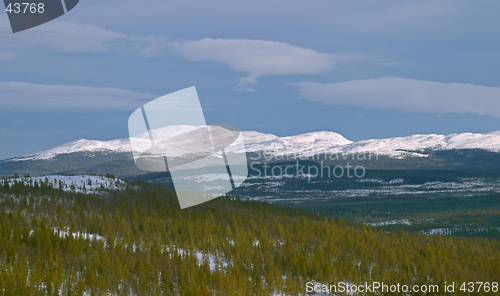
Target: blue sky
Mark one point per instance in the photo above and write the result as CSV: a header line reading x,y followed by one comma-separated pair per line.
x,y
365,69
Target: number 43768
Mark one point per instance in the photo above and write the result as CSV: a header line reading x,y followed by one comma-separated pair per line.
x,y
479,287
25,8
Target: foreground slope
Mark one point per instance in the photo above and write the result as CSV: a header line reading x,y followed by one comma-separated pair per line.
x,y
137,241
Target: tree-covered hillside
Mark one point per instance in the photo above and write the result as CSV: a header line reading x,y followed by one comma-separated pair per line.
x,y
138,242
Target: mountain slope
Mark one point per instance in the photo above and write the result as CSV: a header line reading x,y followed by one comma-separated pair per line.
x,y
120,145
407,146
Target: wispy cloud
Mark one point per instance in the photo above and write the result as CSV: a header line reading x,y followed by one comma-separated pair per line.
x,y
22,96
406,95
74,37
7,55
256,57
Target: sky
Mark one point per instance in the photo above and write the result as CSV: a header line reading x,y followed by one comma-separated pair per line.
x,y
364,69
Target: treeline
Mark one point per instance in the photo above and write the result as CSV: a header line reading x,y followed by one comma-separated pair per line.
x,y
138,242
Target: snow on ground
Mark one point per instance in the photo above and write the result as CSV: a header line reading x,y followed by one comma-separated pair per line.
x,y
215,262
89,236
393,181
393,222
77,183
435,231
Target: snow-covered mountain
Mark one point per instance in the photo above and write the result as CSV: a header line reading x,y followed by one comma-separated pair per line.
x,y
419,145
120,145
309,144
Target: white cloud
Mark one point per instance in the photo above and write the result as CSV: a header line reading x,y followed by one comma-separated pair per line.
x,y
406,95
22,96
256,57
73,37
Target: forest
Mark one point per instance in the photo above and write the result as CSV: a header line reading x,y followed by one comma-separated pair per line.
x,y
136,241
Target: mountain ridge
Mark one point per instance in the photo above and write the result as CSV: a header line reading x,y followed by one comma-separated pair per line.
x,y
307,144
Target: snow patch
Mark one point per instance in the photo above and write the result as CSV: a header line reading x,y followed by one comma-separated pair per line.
x,y
393,222
78,183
